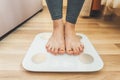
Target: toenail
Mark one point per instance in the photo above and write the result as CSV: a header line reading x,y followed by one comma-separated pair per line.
x,y
68,52
71,50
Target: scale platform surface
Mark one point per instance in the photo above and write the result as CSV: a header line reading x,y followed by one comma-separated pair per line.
x,y
37,59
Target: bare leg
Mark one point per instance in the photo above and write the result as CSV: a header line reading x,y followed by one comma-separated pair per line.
x,y
56,44
73,45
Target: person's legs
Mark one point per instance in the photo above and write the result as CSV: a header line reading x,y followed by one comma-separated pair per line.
x,y
73,45
56,44
73,10
55,8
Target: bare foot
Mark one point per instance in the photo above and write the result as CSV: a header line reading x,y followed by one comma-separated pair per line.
x,y
56,43
73,45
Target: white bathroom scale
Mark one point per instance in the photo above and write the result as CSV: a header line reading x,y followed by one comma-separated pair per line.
x,y
38,59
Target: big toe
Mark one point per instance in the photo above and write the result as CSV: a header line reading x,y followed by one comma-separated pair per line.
x,y
69,51
61,51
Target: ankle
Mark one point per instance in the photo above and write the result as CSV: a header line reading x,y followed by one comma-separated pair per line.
x,y
57,23
68,24
69,28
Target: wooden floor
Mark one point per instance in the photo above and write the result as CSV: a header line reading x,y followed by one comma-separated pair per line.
x,y
105,37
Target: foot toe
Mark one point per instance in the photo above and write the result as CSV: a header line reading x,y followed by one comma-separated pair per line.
x,y
48,44
70,51
53,51
76,51
61,51
56,51
49,49
81,49
82,45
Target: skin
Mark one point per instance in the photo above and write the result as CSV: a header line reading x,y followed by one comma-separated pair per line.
x,y
64,39
72,42
56,43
